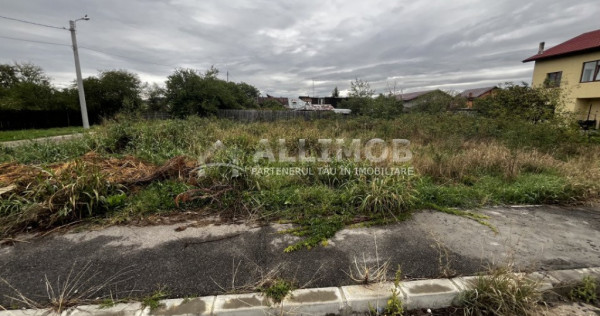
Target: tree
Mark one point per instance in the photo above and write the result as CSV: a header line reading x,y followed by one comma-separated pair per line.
x,y
248,90
361,102
8,76
433,102
271,104
522,102
360,89
155,98
383,106
335,93
30,73
188,92
112,91
25,87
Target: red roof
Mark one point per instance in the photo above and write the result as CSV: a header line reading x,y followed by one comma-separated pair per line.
x,y
584,42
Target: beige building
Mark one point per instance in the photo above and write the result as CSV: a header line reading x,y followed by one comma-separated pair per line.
x,y
573,66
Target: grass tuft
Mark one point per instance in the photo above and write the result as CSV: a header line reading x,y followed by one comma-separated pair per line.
x,y
502,292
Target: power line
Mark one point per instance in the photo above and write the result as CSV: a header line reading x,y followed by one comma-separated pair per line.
x,y
124,57
34,23
86,48
33,41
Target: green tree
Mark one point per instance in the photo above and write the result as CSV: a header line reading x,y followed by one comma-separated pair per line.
x,y
112,91
335,93
522,102
155,98
25,87
249,91
188,92
271,104
434,102
361,102
8,76
360,89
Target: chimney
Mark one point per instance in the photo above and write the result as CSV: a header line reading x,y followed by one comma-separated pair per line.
x,y
541,49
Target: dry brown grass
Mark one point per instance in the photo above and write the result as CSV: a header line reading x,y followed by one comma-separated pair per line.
x,y
479,157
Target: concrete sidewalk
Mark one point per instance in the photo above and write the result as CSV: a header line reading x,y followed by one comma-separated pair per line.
x,y
213,259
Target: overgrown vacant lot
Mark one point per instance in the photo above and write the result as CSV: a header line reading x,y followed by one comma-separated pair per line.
x,y
130,171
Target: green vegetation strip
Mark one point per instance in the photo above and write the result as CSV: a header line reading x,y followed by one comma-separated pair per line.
x,y
478,162
6,136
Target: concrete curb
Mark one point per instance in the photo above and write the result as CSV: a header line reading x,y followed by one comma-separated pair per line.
x,y
345,300
42,140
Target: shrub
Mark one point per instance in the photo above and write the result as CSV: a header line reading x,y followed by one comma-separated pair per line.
x,y
534,104
502,292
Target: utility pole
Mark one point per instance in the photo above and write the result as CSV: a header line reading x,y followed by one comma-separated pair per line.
x,y
82,104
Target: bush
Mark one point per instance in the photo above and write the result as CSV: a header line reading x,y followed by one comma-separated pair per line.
x,y
387,107
522,102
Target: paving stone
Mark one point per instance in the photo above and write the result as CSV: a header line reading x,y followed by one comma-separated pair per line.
x,y
321,301
361,298
435,293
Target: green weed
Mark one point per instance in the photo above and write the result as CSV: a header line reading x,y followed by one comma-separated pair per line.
x,y
586,291
153,300
277,290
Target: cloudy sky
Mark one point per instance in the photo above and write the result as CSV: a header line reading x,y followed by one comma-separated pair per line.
x,y
282,47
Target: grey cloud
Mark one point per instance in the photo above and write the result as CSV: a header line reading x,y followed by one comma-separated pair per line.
x,y
281,46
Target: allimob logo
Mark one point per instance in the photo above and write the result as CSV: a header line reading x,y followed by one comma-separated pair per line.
x,y
375,151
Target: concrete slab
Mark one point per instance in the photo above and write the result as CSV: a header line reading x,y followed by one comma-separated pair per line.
x,y
253,304
361,298
123,309
187,307
436,293
320,301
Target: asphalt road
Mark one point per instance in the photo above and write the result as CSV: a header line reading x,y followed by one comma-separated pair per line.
x,y
204,260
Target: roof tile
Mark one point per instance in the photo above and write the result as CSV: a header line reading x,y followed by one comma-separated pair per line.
x,y
583,42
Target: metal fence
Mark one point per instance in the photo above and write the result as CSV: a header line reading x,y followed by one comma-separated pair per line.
x,y
272,115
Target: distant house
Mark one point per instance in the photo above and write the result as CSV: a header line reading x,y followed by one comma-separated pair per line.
x,y
333,101
415,99
477,93
574,66
303,105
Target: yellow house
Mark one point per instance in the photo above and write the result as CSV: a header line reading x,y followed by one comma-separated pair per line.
x,y
575,67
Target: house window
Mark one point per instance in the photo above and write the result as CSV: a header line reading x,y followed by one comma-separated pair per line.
x,y
553,79
591,71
